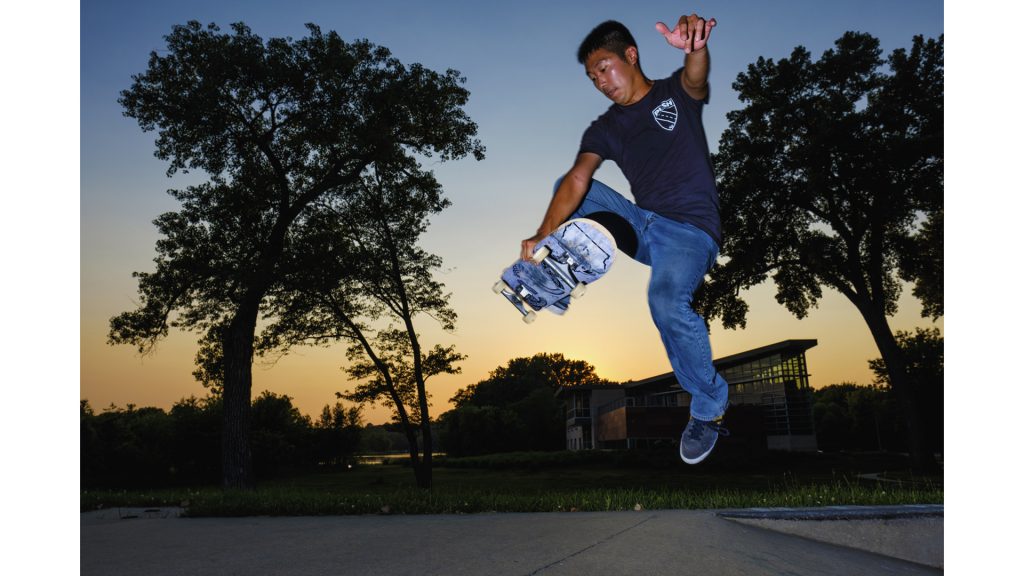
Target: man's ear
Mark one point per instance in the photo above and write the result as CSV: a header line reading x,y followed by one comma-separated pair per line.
x,y
632,55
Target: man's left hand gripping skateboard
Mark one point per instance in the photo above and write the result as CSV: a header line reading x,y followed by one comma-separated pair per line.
x,y
576,254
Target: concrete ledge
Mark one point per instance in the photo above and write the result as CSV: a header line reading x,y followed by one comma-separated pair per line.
x,y
838,512
912,533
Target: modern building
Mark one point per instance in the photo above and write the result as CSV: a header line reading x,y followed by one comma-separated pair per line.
x,y
770,402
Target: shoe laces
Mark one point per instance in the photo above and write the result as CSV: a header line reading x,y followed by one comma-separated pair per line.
x,y
697,431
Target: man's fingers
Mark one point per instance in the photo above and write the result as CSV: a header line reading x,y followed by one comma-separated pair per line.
x,y
690,33
696,24
671,36
527,248
700,31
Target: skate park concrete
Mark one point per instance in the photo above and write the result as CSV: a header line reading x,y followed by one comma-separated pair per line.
x,y
838,540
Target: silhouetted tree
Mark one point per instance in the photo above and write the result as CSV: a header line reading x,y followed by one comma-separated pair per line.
x,y
923,354
282,437
198,423
521,376
367,285
130,447
338,433
147,447
831,175
90,456
515,407
852,417
383,438
473,430
278,126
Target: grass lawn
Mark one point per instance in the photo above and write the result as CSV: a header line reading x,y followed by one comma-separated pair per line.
x,y
552,482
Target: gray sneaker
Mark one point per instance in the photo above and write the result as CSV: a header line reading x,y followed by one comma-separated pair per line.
x,y
699,439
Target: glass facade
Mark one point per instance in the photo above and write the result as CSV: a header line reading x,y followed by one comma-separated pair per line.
x,y
780,384
773,378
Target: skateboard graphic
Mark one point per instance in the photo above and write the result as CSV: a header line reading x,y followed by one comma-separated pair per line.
x,y
564,262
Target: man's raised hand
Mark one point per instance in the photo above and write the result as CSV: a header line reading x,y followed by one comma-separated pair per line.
x,y
690,34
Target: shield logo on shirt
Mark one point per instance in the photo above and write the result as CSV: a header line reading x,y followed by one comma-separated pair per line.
x,y
666,114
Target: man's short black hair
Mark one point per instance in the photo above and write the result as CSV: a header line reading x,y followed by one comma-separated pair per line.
x,y
611,35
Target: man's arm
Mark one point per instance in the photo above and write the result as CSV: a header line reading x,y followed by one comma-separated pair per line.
x,y
567,198
691,35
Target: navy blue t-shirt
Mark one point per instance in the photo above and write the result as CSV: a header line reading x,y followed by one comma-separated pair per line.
x,y
660,146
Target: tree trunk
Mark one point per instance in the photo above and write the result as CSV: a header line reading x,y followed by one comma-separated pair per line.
x,y
922,459
236,452
425,480
414,456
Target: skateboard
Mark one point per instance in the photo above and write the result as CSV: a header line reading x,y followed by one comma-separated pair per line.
x,y
576,254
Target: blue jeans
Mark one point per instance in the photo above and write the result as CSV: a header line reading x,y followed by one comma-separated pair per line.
x,y
679,255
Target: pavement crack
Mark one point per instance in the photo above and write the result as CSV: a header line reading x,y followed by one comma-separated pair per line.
x,y
595,544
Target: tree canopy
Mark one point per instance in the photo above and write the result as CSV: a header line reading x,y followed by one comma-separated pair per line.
x,y
364,280
515,407
521,376
278,126
831,175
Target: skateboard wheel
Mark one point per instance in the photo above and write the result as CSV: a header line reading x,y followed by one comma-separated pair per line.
x,y
578,291
530,317
541,254
500,286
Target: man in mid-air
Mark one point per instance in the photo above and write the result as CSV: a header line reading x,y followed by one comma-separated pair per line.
x,y
653,132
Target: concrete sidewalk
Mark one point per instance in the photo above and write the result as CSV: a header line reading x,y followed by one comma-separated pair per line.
x,y
845,541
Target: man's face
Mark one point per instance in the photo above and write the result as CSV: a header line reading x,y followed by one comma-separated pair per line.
x,y
612,75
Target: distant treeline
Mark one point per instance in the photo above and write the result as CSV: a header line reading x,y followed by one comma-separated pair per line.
x,y
852,417
513,410
149,447
145,447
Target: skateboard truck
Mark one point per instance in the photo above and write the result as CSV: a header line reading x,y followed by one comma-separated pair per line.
x,y
516,299
562,270
519,300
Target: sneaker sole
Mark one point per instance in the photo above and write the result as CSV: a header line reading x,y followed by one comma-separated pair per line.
x,y
700,458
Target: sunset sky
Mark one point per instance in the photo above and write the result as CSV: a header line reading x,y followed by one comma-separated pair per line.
x,y
531,101
81,188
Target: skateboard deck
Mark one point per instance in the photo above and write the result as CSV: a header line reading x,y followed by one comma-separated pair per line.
x,y
576,254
